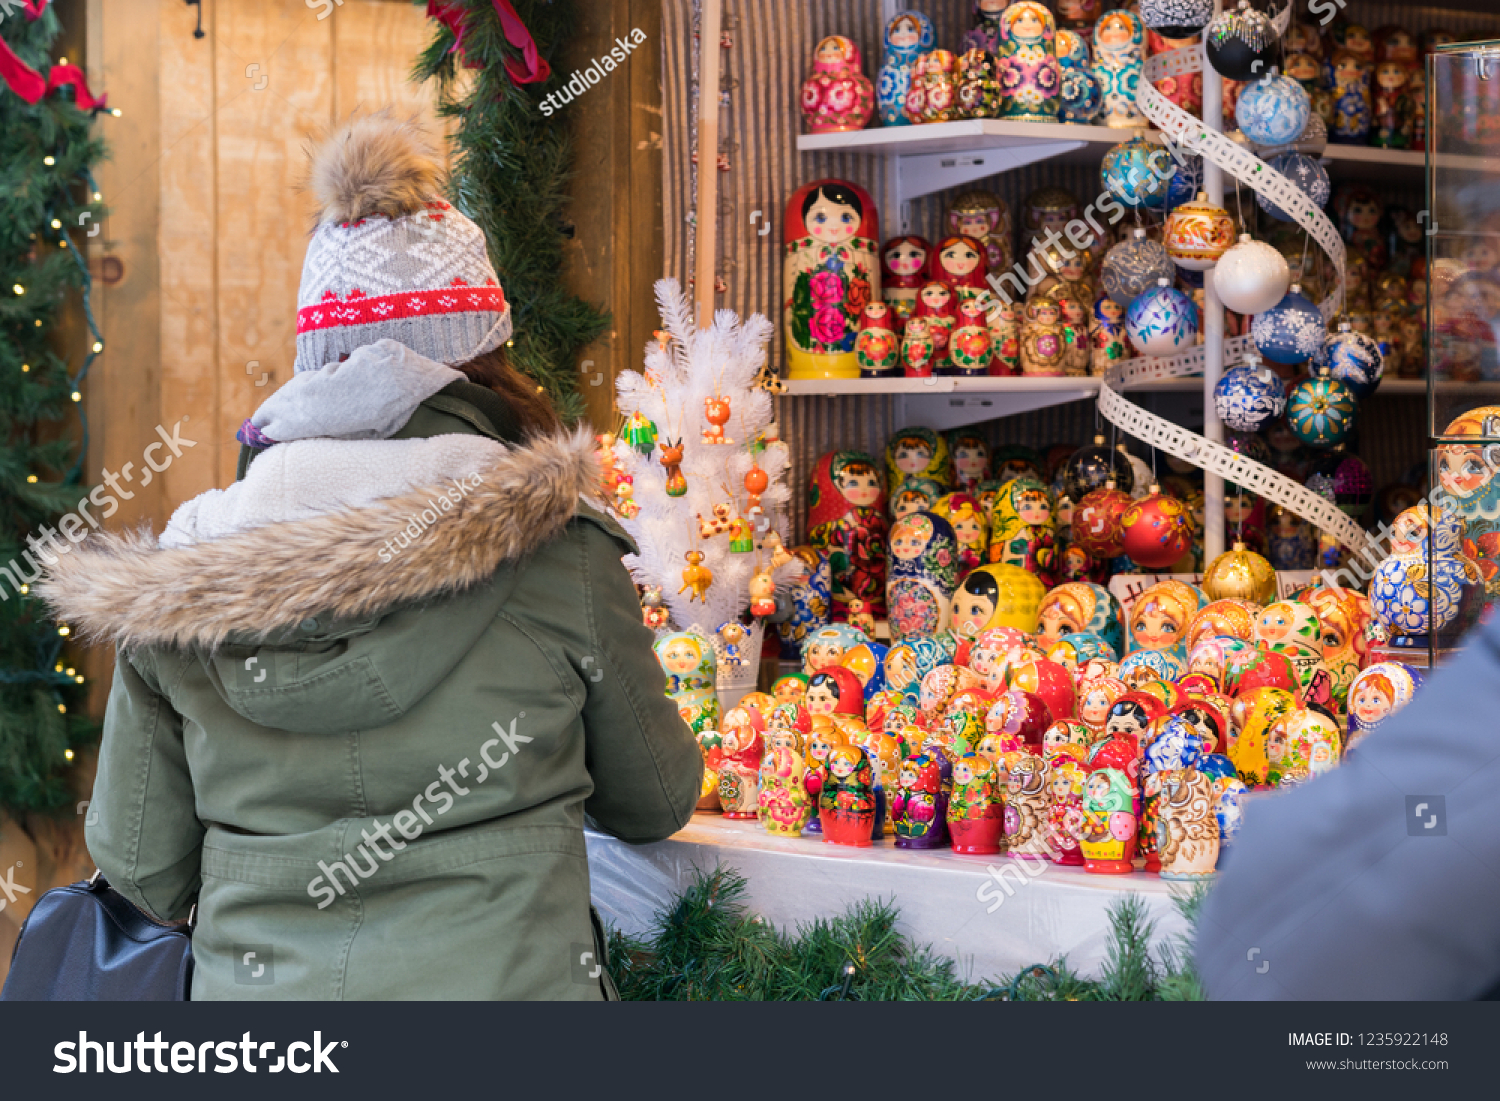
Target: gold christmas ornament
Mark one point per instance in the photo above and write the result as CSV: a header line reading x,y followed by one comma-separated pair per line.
x,y
1240,574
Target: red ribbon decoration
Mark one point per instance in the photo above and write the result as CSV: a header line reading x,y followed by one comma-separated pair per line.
x,y
27,83
530,68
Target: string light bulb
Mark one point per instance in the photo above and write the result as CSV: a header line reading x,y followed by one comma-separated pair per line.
x,y
63,709
49,161
76,396
19,289
31,479
68,671
25,367
67,753
98,345
97,196
115,111
25,589
78,678
64,630
56,224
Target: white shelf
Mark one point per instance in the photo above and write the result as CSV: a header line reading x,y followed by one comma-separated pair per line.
x,y
963,135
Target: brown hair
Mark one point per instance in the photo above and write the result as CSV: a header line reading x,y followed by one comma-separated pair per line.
x,y
528,401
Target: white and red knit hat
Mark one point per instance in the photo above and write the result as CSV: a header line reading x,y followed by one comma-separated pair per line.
x,y
390,258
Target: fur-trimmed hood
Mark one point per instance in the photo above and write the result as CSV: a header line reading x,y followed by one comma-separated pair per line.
x,y
126,589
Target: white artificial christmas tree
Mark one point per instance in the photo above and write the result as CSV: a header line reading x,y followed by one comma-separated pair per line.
x,y
686,368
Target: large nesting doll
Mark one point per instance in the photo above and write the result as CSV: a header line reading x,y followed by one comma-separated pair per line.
x,y
995,595
1160,616
1119,55
783,802
1377,693
1021,528
1030,77
1468,475
1427,582
908,35
1077,606
846,520
1343,614
831,271
919,804
923,575
917,452
688,660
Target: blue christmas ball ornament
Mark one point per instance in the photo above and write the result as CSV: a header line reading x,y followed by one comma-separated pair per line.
x,y
1307,173
1186,182
1273,110
1132,267
1290,331
1162,321
1352,358
1080,96
1250,397
1320,411
1137,172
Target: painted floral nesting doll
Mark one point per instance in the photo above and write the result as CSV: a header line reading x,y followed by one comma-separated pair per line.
x,y
918,349
1119,54
1043,344
978,88
1394,117
1185,90
917,452
995,595
1065,814
877,347
969,527
825,648
916,494
1005,339
1290,542
908,35
846,803
820,745
834,689
1302,746
976,807
692,668
837,95
1344,615
783,802
830,273
985,34
1160,615
934,88
1467,473
1029,73
1021,528
969,346
1078,606
1352,103
1109,828
912,659
923,575
1028,805
983,216
846,520
971,459
919,806
1377,693
961,263
1187,828
812,602
739,771
937,305
903,270
1427,581
1107,342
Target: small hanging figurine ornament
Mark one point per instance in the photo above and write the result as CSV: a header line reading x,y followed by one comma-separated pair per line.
x,y
697,577
762,593
671,458
716,412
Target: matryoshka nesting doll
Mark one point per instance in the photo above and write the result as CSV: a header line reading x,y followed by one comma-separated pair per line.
x,y
1119,55
969,527
830,273
1187,827
1344,614
846,803
1394,116
978,87
1043,343
782,801
1352,103
1291,628
934,88
1377,693
969,346
1185,90
1079,606
1096,699
1109,828
877,347
903,270
918,349
692,669
985,34
971,459
1467,474
1427,582
1107,342
739,771
1030,76
812,602
846,520
923,574
1028,803
995,595
976,806
825,648
983,216
917,452
919,804
834,689
1005,338
937,307
1065,815
961,263
915,495
908,36
1159,617
837,95
1021,528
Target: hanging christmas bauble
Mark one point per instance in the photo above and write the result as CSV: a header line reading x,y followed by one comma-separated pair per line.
x,y
1250,445
1158,530
1088,468
1348,480
1291,331
1273,110
1310,177
1161,321
1097,522
1251,277
1250,397
1240,44
1132,267
1352,358
1176,18
1186,182
1197,233
1240,574
1321,410
1137,173
1143,476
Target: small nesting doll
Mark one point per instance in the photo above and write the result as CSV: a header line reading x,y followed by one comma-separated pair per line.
x,y
978,89
1427,580
1352,101
1394,118
983,216
739,772
1077,606
825,648
846,520
1107,342
1306,70
918,349
969,529
837,95
1291,628
1119,54
919,805
917,452
877,347
971,459
1095,700
937,304
923,575
1065,814
934,88
691,666
1079,95
1377,693
976,807
969,346
1159,617
846,803
1043,344
907,36
1028,798
1021,528
903,270
916,494
1109,827
812,602
783,801
1071,299
1030,76
711,746
1004,320
1290,541
985,34
961,263
830,273
821,743
1187,828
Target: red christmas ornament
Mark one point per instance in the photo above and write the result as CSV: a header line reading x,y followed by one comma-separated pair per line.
x,y
1097,520
1158,530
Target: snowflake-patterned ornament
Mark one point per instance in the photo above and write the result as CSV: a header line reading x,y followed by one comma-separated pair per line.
x,y
1249,398
1291,331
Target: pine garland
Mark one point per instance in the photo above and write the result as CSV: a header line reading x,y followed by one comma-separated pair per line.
x,y
708,947
510,174
40,468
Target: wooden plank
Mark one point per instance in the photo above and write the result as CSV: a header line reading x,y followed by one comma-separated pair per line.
x,y
706,265
375,44
639,204
274,83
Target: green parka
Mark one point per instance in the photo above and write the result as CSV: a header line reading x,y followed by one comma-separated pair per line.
x,y
371,771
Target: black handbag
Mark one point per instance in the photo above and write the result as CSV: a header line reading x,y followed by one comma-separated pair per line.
x,y
87,943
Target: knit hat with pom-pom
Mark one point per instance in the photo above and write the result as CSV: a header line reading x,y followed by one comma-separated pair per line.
x,y
390,258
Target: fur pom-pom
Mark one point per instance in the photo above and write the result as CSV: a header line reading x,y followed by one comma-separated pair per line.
x,y
374,164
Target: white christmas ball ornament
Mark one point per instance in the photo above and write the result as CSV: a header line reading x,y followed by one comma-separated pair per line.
x,y
1162,321
1251,277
